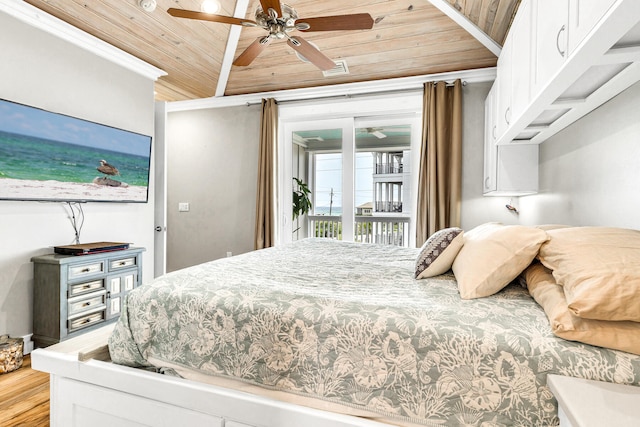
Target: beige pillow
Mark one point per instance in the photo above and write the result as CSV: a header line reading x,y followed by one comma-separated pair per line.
x,y
623,336
438,252
547,227
493,255
599,268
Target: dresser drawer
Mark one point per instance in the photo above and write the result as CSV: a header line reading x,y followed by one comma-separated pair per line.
x,y
118,264
78,271
84,287
89,302
86,320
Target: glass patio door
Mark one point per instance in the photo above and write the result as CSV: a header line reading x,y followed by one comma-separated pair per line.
x,y
318,154
358,172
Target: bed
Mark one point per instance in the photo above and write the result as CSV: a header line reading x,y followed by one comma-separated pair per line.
x,y
336,333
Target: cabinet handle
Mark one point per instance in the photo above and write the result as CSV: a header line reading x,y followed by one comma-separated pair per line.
x,y
507,115
493,132
560,51
486,183
86,270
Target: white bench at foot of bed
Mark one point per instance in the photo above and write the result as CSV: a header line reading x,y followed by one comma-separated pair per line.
x,y
86,391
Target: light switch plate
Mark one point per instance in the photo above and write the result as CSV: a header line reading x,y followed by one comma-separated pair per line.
x,y
183,207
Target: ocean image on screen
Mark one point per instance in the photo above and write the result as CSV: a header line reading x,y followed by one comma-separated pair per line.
x,y
48,156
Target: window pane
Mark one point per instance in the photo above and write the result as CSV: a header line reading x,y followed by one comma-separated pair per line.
x,y
382,184
328,184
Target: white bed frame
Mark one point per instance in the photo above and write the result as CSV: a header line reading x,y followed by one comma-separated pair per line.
x,y
86,391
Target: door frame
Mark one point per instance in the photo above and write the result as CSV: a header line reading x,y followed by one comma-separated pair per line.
x,y
297,115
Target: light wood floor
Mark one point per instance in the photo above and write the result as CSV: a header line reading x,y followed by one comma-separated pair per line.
x,y
24,397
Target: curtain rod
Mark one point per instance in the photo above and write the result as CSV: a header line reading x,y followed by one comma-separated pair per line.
x,y
349,96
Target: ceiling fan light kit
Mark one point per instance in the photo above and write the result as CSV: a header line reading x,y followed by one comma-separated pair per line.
x,y
279,20
210,6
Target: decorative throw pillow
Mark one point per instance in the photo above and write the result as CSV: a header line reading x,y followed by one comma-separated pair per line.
x,y
599,268
438,252
624,335
493,255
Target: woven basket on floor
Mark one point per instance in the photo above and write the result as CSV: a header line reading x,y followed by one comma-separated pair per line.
x,y
10,354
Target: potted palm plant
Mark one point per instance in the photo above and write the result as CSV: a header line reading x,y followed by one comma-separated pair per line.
x,y
301,200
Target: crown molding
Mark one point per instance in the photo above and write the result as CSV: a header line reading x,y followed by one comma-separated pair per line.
x,y
339,90
40,19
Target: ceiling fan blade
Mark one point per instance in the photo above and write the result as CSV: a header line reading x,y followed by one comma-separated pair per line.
x,y
356,21
252,51
181,13
271,4
312,54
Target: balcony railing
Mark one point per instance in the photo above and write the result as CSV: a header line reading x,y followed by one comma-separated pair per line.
x,y
388,168
388,230
329,226
388,206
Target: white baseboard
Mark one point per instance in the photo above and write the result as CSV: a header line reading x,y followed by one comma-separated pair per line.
x,y
28,344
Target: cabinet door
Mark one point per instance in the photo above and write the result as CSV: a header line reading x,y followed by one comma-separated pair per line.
x,y
503,89
583,16
521,58
490,149
517,169
552,22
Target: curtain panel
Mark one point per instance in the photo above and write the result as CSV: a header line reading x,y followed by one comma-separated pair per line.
x,y
265,197
440,174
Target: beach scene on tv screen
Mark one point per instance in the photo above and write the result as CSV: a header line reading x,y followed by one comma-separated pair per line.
x,y
49,156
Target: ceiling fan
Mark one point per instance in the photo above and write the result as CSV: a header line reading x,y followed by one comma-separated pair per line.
x,y
383,132
377,132
279,20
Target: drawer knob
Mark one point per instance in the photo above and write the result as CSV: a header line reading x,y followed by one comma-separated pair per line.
x,y
86,270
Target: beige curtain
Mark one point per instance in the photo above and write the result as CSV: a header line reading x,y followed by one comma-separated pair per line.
x,y
265,199
439,186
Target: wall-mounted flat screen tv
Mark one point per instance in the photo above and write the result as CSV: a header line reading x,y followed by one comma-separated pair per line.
x,y
47,156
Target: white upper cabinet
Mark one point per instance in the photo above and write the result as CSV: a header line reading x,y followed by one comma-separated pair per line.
x,y
551,41
561,60
490,151
514,70
503,88
522,59
585,14
509,170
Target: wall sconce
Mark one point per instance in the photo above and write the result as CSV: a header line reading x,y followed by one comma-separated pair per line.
x,y
512,208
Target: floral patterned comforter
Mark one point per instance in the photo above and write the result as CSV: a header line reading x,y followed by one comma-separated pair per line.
x,y
347,323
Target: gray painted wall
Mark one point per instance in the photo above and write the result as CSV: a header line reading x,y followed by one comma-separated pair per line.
x,y
40,70
590,172
212,164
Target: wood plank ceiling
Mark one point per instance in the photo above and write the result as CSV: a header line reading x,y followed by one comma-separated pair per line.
x,y
409,38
